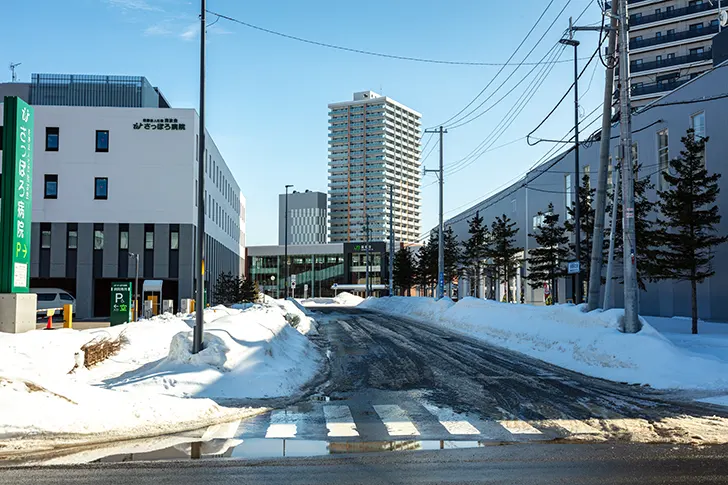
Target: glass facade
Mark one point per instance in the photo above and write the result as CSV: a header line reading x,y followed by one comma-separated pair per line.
x,y
318,271
92,90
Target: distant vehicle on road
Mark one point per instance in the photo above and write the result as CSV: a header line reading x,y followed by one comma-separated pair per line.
x,y
49,298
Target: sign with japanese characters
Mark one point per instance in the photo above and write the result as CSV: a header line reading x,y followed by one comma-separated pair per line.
x,y
159,124
17,196
120,303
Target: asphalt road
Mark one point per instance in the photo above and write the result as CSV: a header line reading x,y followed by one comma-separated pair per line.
x,y
514,464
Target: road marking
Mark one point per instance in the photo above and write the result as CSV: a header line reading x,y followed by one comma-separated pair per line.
x,y
517,426
453,422
339,421
396,420
282,425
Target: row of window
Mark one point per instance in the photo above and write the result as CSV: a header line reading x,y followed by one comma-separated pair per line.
x,y
696,27
53,139
693,52
72,239
50,187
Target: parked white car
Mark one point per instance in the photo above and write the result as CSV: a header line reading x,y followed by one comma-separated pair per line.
x,y
53,298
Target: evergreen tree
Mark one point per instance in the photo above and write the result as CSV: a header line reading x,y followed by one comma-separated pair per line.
x,y
504,251
423,267
225,291
586,217
687,222
546,262
249,291
474,252
404,271
644,226
452,257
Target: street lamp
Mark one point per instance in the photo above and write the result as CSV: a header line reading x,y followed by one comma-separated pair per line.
x,y
272,283
577,211
285,241
136,286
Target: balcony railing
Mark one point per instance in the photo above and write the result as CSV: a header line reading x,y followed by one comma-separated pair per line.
x,y
658,87
671,14
664,39
670,61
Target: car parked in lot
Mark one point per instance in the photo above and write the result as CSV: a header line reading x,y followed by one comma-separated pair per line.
x,y
50,298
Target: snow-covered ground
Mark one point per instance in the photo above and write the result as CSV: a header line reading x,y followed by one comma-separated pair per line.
x,y
48,399
344,298
590,343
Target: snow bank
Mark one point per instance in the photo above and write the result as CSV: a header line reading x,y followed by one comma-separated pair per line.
x,y
590,343
248,354
344,298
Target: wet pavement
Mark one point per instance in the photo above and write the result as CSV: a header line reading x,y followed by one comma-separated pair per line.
x,y
397,385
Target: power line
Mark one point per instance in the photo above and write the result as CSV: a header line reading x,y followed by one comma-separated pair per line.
x,y
363,51
533,27
463,119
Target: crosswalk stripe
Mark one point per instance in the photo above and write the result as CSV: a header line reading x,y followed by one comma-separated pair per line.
x,y
453,422
282,425
396,420
339,421
517,426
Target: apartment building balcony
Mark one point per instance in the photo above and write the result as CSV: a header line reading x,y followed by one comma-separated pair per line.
x,y
676,13
658,87
635,67
661,40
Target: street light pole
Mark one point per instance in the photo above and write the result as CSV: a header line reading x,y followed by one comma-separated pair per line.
x,y
136,286
366,252
285,241
391,240
441,229
577,211
200,265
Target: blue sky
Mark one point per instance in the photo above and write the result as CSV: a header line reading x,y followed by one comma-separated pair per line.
x,y
267,96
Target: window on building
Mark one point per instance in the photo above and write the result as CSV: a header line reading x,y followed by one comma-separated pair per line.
x,y
638,15
671,55
658,34
658,11
98,239
637,39
72,239
658,59
102,140
197,148
670,32
714,23
45,239
124,240
696,51
101,188
513,205
669,8
569,191
696,27
51,139
148,239
174,240
50,186
662,156
697,123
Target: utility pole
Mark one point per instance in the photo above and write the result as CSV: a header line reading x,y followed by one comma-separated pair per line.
x,y
366,252
200,263
391,239
136,286
13,65
629,243
285,244
441,228
577,172
595,268
610,261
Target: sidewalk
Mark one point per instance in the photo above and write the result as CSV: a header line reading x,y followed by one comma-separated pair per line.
x,y
84,325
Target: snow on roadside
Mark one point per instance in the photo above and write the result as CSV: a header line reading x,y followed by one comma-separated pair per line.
x,y
564,335
344,298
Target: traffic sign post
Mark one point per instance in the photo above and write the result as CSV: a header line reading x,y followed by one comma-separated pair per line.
x,y
574,267
120,303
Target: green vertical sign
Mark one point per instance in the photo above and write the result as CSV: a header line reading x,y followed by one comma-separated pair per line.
x,y
120,303
17,196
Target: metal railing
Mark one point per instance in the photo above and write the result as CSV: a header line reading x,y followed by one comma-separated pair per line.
x,y
671,14
670,61
658,87
664,39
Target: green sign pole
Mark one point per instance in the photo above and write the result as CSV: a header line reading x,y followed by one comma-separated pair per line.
x,y
120,303
17,196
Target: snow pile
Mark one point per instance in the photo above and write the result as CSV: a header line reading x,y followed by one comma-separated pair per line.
x,y
248,354
344,298
590,343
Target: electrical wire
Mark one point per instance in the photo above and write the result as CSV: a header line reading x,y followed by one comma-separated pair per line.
x,y
533,27
362,51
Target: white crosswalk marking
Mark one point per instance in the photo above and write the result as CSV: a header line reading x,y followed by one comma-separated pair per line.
x,y
516,426
453,422
282,425
396,420
339,421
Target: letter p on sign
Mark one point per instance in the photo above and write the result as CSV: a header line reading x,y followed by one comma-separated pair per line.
x,y
118,297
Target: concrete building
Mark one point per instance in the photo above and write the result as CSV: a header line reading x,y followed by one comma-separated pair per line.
x,y
670,43
318,266
374,142
702,104
306,218
109,182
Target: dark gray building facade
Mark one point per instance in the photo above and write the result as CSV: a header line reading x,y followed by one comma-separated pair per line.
x,y
306,218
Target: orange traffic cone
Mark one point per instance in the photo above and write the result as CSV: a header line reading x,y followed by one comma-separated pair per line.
x,y
49,325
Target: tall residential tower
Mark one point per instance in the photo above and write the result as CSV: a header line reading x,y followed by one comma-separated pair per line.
x,y
374,143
